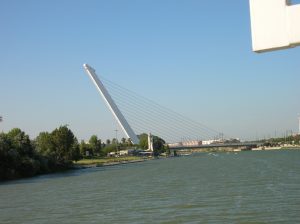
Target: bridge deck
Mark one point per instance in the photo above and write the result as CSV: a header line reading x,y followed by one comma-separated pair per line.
x,y
245,144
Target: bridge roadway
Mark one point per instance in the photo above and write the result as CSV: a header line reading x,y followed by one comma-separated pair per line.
x,y
241,144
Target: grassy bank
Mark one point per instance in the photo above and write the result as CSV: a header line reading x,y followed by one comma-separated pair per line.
x,y
107,161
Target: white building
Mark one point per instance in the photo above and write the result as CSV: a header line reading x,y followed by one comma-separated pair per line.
x,y
192,143
208,142
177,144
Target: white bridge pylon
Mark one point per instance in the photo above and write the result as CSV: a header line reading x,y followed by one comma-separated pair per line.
x,y
111,105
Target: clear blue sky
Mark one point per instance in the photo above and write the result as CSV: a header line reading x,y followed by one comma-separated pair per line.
x,y
191,56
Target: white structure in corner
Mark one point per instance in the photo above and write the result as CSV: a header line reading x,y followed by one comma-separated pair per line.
x,y
150,142
111,105
275,24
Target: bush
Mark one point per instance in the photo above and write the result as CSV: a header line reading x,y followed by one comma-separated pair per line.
x,y
19,157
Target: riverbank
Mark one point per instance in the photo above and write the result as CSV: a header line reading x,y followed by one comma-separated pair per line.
x,y
108,161
277,148
236,149
87,163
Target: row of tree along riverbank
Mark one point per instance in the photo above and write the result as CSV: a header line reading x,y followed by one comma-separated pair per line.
x,y
56,151
49,152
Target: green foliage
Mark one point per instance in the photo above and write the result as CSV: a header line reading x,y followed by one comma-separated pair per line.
x,y
19,157
125,143
50,152
8,157
21,142
143,141
43,144
114,141
123,140
60,145
128,142
109,148
167,149
29,167
84,147
158,143
289,139
297,139
65,145
95,145
175,153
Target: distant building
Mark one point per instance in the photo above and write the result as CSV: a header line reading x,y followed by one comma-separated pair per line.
x,y
177,144
192,143
126,152
208,142
111,154
186,143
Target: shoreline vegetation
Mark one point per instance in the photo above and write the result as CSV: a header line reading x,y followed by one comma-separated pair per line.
x,y
22,157
236,149
59,150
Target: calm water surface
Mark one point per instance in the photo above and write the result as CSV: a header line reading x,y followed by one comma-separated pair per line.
x,y
246,187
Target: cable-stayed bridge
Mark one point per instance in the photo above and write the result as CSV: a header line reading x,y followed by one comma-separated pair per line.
x,y
137,115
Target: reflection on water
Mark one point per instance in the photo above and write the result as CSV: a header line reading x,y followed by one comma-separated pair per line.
x,y
246,187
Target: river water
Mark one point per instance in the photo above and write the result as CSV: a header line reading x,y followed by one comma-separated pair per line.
x,y
245,187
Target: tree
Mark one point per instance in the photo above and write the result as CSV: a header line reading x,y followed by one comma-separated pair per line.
x,y
65,145
128,142
17,155
83,147
167,149
123,141
21,142
44,145
109,148
143,141
114,141
107,141
9,158
95,145
158,145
